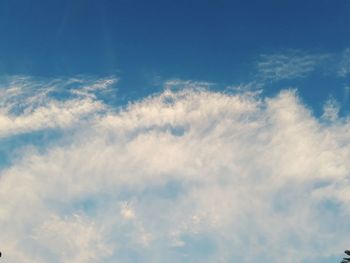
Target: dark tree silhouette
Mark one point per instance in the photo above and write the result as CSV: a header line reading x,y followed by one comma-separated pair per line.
x,y
346,260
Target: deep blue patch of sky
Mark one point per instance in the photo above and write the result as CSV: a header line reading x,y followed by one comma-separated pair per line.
x,y
145,42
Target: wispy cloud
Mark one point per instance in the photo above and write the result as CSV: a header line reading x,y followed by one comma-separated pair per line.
x,y
331,109
29,105
188,175
290,64
344,65
178,84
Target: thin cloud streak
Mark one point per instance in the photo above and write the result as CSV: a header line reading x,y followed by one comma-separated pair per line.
x,y
292,64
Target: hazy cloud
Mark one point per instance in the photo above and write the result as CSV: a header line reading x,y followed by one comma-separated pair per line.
x,y
344,66
291,64
331,109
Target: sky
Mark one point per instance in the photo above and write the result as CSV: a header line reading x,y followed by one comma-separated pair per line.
x,y
174,131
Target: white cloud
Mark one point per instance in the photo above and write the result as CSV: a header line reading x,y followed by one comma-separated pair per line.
x,y
29,105
253,86
180,84
331,110
127,212
70,240
291,64
185,176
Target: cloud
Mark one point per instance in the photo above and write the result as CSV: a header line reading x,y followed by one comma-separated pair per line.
x,y
291,64
344,65
72,239
183,176
178,84
331,110
29,105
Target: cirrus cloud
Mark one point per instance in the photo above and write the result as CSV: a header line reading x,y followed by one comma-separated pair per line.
x,y
291,64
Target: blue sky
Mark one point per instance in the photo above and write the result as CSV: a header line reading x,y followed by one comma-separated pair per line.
x,y
174,131
145,42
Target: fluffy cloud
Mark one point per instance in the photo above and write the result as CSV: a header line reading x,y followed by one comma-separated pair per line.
x,y
183,176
